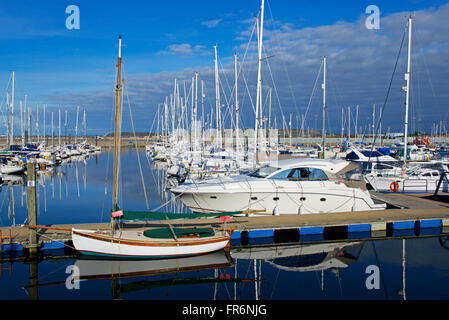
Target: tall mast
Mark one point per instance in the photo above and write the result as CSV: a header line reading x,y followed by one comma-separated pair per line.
x,y
43,125
259,79
407,88
52,133
349,123
217,100
7,119
195,113
59,128
84,124
342,124
356,121
269,121
65,126
324,108
76,125
117,126
374,122
202,114
237,107
12,110
22,131
37,122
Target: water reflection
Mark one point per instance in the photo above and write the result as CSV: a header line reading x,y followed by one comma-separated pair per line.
x,y
79,190
412,267
328,270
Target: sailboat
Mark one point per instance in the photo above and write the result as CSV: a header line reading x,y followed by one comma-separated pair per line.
x,y
410,179
144,244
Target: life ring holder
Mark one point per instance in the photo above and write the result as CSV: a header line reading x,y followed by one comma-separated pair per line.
x,y
394,186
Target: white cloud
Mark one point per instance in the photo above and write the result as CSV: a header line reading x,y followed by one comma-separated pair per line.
x,y
211,23
360,64
183,49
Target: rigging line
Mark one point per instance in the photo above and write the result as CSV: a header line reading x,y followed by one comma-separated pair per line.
x,y
223,73
135,139
426,67
154,118
328,124
42,235
388,91
283,64
241,72
4,98
249,94
311,96
226,100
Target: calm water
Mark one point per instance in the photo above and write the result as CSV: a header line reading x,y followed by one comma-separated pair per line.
x,y
80,192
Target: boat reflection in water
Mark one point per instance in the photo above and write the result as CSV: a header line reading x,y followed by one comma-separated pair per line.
x,y
90,269
296,257
150,274
300,257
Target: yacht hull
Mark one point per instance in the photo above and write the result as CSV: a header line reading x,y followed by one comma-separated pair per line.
x,y
307,201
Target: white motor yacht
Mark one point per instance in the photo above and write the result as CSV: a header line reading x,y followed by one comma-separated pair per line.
x,y
292,186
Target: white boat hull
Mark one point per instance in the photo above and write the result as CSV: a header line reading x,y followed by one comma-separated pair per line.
x,y
316,197
384,184
130,246
7,169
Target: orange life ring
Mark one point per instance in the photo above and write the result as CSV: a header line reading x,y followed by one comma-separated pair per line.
x,y
394,186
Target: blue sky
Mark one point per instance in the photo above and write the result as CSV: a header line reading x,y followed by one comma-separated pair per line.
x,y
166,39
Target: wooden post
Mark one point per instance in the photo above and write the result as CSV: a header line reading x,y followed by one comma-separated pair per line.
x,y
32,217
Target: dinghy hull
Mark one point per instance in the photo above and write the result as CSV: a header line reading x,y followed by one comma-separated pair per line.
x,y
134,245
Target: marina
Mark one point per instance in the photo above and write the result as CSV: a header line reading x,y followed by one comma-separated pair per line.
x,y
226,180
261,250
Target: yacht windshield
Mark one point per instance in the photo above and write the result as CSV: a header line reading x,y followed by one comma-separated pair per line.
x,y
263,172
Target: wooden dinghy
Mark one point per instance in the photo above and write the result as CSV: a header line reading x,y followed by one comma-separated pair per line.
x,y
150,244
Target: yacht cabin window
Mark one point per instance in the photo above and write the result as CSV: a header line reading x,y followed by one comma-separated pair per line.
x,y
301,174
263,172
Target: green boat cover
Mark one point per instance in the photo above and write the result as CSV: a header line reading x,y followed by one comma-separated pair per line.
x,y
166,233
142,215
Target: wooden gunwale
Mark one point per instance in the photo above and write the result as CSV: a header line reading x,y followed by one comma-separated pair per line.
x,y
150,243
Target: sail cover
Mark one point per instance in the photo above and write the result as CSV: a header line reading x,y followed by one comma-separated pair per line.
x,y
144,215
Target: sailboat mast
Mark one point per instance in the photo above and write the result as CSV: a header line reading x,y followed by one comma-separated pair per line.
x,y
59,128
407,89
43,125
269,121
12,110
65,126
7,119
76,126
237,107
217,100
117,126
259,79
195,114
324,107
